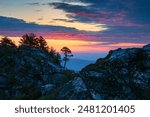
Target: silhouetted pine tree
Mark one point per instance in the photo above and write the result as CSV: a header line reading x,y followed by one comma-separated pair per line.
x,y
67,54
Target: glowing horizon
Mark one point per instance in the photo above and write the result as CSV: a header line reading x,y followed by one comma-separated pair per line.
x,y
79,46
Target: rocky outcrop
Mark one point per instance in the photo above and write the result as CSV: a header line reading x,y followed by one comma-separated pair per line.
x,y
76,89
26,73
122,74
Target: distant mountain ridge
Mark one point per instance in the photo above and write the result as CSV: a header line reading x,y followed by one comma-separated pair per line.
x,y
78,64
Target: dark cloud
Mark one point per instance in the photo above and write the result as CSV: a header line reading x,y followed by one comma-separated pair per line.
x,y
13,27
34,4
112,12
69,7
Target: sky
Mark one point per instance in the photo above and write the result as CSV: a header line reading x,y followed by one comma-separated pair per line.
x,y
85,26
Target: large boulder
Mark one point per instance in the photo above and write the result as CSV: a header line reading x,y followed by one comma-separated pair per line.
x,y
74,90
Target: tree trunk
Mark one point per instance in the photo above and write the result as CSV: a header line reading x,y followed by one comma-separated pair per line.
x,y
65,64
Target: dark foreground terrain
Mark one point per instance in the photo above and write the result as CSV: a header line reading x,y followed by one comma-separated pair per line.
x,y
31,73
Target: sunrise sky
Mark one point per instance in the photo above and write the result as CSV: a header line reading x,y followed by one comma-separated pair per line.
x,y
85,26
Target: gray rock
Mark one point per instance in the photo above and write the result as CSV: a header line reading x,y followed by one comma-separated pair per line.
x,y
96,96
74,90
47,89
95,74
